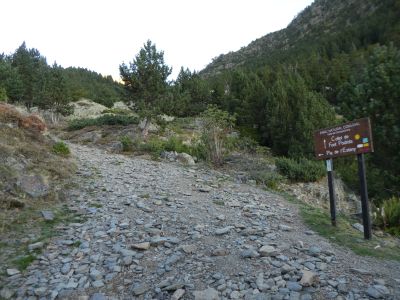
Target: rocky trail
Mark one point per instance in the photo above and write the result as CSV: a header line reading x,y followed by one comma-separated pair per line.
x,y
156,230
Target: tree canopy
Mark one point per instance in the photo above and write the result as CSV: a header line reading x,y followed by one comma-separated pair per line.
x,y
145,78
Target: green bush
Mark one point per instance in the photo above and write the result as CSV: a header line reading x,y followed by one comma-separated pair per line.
x,y
127,143
217,124
199,150
117,111
103,120
246,143
175,144
61,148
270,179
3,95
154,146
387,215
300,169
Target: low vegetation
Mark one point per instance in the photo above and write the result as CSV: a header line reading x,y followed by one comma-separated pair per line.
x,y
215,129
384,247
61,148
108,119
127,143
14,251
387,216
27,154
300,169
155,146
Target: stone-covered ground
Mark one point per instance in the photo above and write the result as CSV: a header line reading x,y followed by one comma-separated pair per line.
x,y
157,230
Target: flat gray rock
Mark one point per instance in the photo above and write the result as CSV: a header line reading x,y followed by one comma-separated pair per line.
x,y
378,291
47,215
208,294
268,250
6,293
12,272
358,226
249,253
294,286
139,289
38,245
98,284
98,296
225,230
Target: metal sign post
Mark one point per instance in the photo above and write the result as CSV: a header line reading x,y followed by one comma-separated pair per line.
x,y
364,196
352,138
332,196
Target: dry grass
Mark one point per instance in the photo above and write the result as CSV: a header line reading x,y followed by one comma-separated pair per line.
x,y
33,123
23,151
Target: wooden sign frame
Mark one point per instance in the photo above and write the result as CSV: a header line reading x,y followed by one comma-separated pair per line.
x,y
346,139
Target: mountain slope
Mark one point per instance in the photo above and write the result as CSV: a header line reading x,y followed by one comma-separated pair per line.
x,y
326,26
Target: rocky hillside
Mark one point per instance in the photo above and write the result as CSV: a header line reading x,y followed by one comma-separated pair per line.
x,y
322,24
30,170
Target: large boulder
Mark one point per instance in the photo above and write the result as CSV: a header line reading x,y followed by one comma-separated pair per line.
x,y
85,108
185,158
34,185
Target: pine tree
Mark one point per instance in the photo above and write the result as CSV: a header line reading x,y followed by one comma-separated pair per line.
x,y
31,67
146,80
293,112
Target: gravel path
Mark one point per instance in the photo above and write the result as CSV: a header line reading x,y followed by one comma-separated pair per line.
x,y
157,230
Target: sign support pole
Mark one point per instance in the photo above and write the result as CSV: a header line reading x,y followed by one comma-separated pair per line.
x,y
364,196
332,196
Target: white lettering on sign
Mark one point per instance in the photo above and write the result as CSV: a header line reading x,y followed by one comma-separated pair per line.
x,y
348,150
339,129
340,140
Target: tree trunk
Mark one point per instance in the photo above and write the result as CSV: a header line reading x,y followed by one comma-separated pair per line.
x,y
145,130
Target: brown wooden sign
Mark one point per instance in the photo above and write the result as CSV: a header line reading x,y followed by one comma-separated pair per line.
x,y
347,139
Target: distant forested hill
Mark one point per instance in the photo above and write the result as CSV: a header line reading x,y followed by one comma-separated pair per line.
x,y
89,84
27,78
326,28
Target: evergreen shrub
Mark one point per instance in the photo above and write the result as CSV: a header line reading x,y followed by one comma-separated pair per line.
x,y
103,120
387,215
61,148
301,169
127,143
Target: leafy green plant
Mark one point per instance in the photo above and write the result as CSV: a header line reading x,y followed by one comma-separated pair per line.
x,y
175,144
270,179
216,126
103,120
24,261
387,215
300,169
3,95
127,143
245,143
117,111
154,145
61,148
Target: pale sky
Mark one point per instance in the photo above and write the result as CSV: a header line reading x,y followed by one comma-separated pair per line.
x,y
101,34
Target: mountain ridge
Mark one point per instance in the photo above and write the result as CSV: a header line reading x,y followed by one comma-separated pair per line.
x,y
317,23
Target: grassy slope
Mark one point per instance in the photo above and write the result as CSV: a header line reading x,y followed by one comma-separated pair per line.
x,y
317,219
26,152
